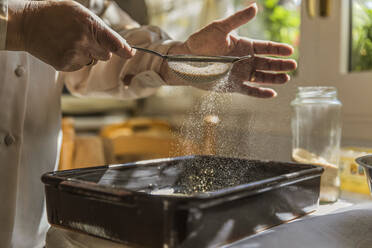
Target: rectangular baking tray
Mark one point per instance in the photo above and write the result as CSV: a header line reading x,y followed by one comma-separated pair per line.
x,y
192,201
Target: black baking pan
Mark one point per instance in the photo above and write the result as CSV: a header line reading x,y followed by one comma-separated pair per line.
x,y
193,201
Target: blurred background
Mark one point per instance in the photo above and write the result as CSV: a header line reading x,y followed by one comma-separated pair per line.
x,y
333,47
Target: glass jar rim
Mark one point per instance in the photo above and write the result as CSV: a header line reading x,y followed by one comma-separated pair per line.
x,y
317,91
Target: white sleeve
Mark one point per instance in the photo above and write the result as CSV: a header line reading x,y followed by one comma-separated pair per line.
x,y
3,22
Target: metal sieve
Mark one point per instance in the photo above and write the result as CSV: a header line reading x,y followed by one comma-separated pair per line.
x,y
197,68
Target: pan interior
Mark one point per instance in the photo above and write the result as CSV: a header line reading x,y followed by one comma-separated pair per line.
x,y
187,176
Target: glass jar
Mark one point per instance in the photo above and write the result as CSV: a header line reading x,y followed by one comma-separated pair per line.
x,y
316,135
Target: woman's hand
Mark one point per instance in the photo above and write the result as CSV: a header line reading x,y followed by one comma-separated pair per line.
x,y
215,39
63,34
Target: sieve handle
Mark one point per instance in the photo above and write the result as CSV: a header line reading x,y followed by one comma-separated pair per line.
x,y
150,51
201,58
191,58
243,58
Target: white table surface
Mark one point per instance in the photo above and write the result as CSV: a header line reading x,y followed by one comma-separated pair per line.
x,y
344,224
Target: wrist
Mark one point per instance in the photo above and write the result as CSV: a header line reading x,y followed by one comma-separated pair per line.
x,y
15,29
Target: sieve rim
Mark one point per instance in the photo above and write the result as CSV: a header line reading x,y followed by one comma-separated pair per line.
x,y
202,58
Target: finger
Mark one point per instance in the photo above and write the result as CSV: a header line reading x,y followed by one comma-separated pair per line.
x,y
270,78
84,58
271,64
271,48
113,42
71,68
243,69
239,18
74,60
100,54
93,62
256,91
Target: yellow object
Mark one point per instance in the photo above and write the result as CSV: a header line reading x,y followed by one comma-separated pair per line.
x,y
329,183
352,175
79,151
142,138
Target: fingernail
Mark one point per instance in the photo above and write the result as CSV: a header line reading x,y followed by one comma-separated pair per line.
x,y
295,64
268,93
133,51
253,7
126,50
123,52
130,53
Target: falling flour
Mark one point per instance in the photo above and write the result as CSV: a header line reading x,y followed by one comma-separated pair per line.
x,y
198,72
205,131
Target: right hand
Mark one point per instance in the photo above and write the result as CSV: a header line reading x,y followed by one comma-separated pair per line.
x,y
63,34
217,39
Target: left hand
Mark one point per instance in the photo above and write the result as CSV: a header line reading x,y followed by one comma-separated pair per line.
x,y
215,39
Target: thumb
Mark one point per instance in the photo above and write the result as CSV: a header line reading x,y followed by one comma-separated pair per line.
x,y
238,19
114,43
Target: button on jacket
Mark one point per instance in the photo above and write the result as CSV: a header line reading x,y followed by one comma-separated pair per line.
x,y
30,116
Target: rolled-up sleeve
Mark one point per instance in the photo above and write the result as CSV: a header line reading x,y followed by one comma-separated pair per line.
x,y
3,23
124,78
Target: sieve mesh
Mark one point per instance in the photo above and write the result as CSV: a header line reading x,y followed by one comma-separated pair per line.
x,y
199,72
198,68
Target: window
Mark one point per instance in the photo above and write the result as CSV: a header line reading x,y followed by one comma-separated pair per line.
x,y
361,35
181,18
328,55
277,20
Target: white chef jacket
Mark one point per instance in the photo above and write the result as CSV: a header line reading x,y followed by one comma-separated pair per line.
x,y
30,117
